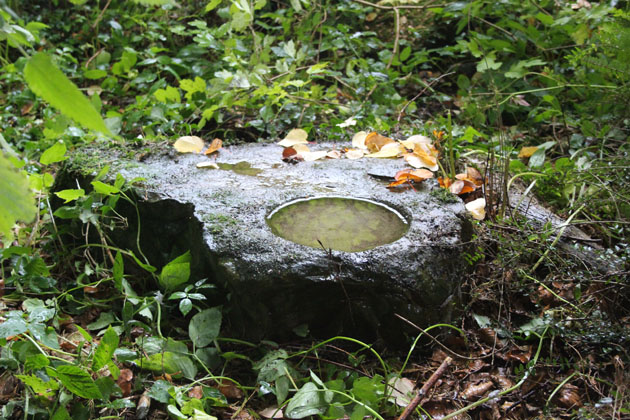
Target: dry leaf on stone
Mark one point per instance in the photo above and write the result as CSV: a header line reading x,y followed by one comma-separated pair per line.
x,y
293,137
311,156
413,175
527,151
477,208
354,153
472,175
214,146
402,391
207,165
460,187
423,156
375,142
358,140
271,413
301,148
333,154
416,139
188,144
288,152
389,150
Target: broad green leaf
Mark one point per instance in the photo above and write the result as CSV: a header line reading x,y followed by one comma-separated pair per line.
x,y
61,414
14,325
118,270
176,272
185,305
204,327
169,362
488,63
404,54
55,153
105,349
212,5
306,402
159,391
70,195
16,201
53,86
105,189
78,382
38,385
153,2
317,68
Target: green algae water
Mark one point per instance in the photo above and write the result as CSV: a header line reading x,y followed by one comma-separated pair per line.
x,y
341,224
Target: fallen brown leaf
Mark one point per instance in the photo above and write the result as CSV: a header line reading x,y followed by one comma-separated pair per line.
x,y
375,142
214,146
124,381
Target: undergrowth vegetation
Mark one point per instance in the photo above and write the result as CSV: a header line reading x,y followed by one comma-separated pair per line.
x,y
535,93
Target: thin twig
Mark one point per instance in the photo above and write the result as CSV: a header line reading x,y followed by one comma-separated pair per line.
x,y
405,6
428,85
427,385
100,16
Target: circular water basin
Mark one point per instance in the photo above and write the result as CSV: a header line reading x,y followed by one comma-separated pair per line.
x,y
338,223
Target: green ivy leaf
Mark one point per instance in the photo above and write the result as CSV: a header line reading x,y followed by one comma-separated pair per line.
x,y
38,385
176,272
16,201
70,195
61,414
153,2
55,153
78,382
105,349
105,189
52,85
204,327
306,402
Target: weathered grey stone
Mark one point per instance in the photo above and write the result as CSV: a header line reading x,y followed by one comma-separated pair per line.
x,y
274,285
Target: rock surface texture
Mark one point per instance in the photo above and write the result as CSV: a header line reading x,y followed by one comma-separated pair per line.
x,y
271,285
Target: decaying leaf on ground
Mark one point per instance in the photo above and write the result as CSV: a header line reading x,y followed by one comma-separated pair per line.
x,y
375,142
388,150
293,137
358,140
207,165
214,146
188,144
354,153
477,208
527,151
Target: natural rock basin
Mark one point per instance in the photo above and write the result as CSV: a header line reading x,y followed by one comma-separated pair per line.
x,y
337,223
268,285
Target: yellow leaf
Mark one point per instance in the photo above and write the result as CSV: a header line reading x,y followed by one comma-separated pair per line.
x,y
354,154
477,208
389,150
293,137
527,151
301,148
376,142
358,140
188,144
207,165
311,156
416,139
333,154
421,159
214,146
